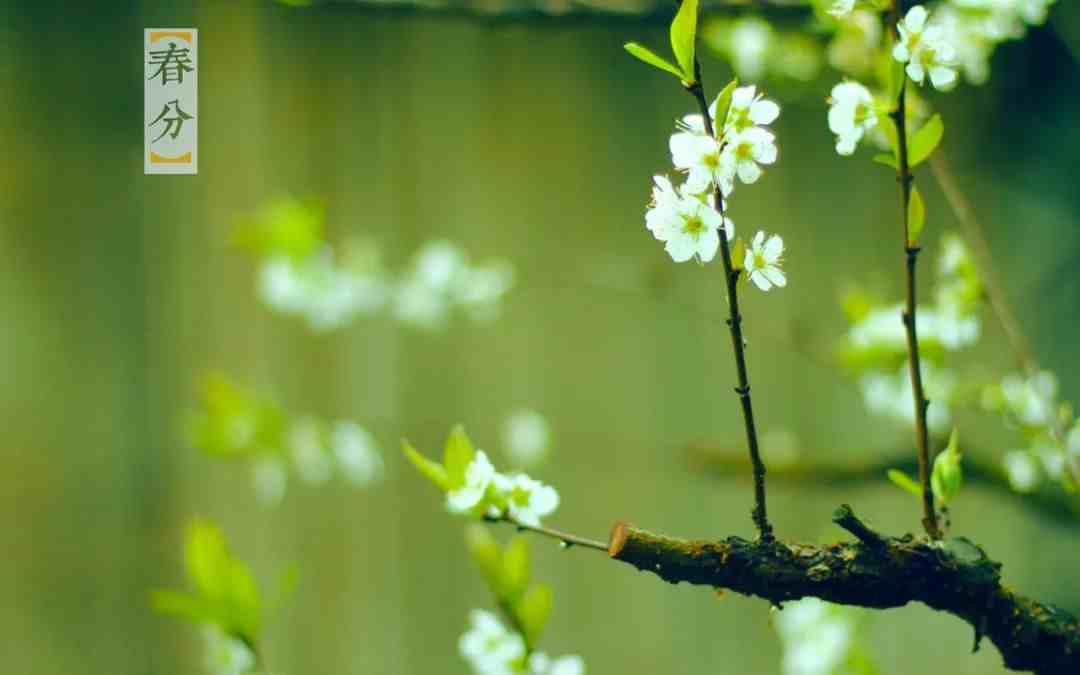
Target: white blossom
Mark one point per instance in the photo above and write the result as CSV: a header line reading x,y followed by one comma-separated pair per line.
x,y
356,453
527,500
926,51
526,436
744,151
305,440
748,108
890,395
688,225
270,478
542,664
702,158
226,655
818,637
489,647
478,476
841,7
851,114
762,261
1022,471
1032,400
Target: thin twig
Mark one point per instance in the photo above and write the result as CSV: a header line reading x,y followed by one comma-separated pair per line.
x,y
911,254
568,540
734,322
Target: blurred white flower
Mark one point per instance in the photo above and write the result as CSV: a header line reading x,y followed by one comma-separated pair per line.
x,y
1022,471
225,655
478,476
763,259
841,7
688,226
489,647
481,288
856,42
356,453
542,664
270,478
818,637
441,278
925,49
890,395
1032,400
528,500
751,39
305,441
851,114
527,437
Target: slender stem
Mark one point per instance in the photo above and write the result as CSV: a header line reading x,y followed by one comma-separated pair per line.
x,y
984,262
911,255
566,538
734,322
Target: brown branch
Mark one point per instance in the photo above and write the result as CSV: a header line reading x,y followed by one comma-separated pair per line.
x,y
911,255
734,322
878,572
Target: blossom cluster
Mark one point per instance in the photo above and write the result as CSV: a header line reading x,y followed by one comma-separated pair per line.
x,y
492,649
1031,404
688,218
876,343
487,492
329,294
819,638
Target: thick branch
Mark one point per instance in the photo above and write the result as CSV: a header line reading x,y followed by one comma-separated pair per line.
x,y
734,322
877,572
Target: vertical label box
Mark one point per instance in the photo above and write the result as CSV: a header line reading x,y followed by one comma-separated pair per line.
x,y
170,108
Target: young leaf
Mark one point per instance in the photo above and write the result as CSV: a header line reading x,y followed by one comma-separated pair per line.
x,y
925,141
244,605
433,470
888,127
738,253
533,611
948,474
486,554
458,453
897,77
683,36
904,482
916,216
886,159
515,566
646,55
182,605
207,560
723,105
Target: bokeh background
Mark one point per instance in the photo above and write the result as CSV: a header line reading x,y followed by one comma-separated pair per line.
x,y
527,137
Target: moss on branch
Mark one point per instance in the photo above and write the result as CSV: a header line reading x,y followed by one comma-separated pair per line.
x,y
877,571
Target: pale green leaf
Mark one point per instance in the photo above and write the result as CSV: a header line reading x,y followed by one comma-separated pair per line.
x,y
683,36
433,470
207,560
738,254
515,566
723,105
533,610
916,216
486,554
925,141
888,127
643,53
182,605
458,453
886,159
904,482
947,475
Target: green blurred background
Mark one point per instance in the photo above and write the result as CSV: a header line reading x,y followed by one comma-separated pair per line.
x,y
532,139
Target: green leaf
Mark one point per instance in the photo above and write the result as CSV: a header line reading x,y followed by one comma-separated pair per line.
x,y
458,453
897,77
904,482
886,159
888,127
738,254
916,216
723,105
515,566
181,605
925,141
433,470
207,560
683,36
486,554
533,611
643,53
244,603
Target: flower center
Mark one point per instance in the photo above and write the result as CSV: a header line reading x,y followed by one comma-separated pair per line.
x,y
694,225
744,151
862,112
759,261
